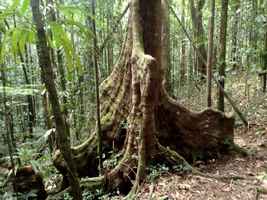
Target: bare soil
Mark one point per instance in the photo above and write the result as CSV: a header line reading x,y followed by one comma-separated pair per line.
x,y
253,168
191,187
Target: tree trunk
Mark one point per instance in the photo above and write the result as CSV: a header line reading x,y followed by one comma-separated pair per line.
x,y
199,34
54,16
265,64
222,52
47,74
98,122
109,29
235,32
166,56
183,49
210,54
31,113
25,65
140,122
254,29
8,121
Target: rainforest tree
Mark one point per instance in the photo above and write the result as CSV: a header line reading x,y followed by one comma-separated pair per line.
x,y
158,129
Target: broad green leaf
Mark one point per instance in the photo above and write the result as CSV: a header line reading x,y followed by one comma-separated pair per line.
x,y
25,6
83,29
70,10
22,41
31,36
14,5
15,39
62,39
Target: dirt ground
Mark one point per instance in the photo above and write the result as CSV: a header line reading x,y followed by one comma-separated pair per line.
x,y
253,168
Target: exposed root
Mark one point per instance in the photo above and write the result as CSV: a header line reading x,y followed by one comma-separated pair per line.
x,y
133,93
133,193
174,158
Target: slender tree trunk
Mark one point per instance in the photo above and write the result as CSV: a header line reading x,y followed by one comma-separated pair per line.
x,y
222,52
235,33
183,49
109,29
31,117
254,33
47,113
7,121
166,56
54,16
199,34
47,72
265,64
25,66
82,106
210,54
98,117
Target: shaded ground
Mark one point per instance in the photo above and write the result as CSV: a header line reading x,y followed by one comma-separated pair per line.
x,y
179,186
175,186
252,167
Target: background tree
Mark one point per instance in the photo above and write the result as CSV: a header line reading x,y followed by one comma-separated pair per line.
x,y
143,128
222,53
196,8
210,53
47,74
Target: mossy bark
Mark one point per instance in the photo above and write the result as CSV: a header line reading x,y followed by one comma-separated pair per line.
x,y
48,76
156,127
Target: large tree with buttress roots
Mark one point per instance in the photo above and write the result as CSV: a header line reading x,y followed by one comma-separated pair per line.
x,y
141,123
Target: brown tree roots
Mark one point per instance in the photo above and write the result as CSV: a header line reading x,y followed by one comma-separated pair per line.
x,y
140,133
182,137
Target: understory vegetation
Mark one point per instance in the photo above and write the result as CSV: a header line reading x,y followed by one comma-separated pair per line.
x,y
133,99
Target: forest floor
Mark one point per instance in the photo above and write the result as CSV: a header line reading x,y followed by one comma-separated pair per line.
x,y
177,186
164,183
191,187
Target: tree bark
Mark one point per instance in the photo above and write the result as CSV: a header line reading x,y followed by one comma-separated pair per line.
x,y
140,122
98,120
25,65
210,54
109,29
235,33
183,49
166,56
47,74
199,34
222,52
265,64
54,16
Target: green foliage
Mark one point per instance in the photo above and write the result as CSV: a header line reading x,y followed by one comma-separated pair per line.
x,y
19,91
42,162
19,196
112,161
15,39
262,176
97,194
155,171
25,6
25,155
182,168
67,196
61,40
